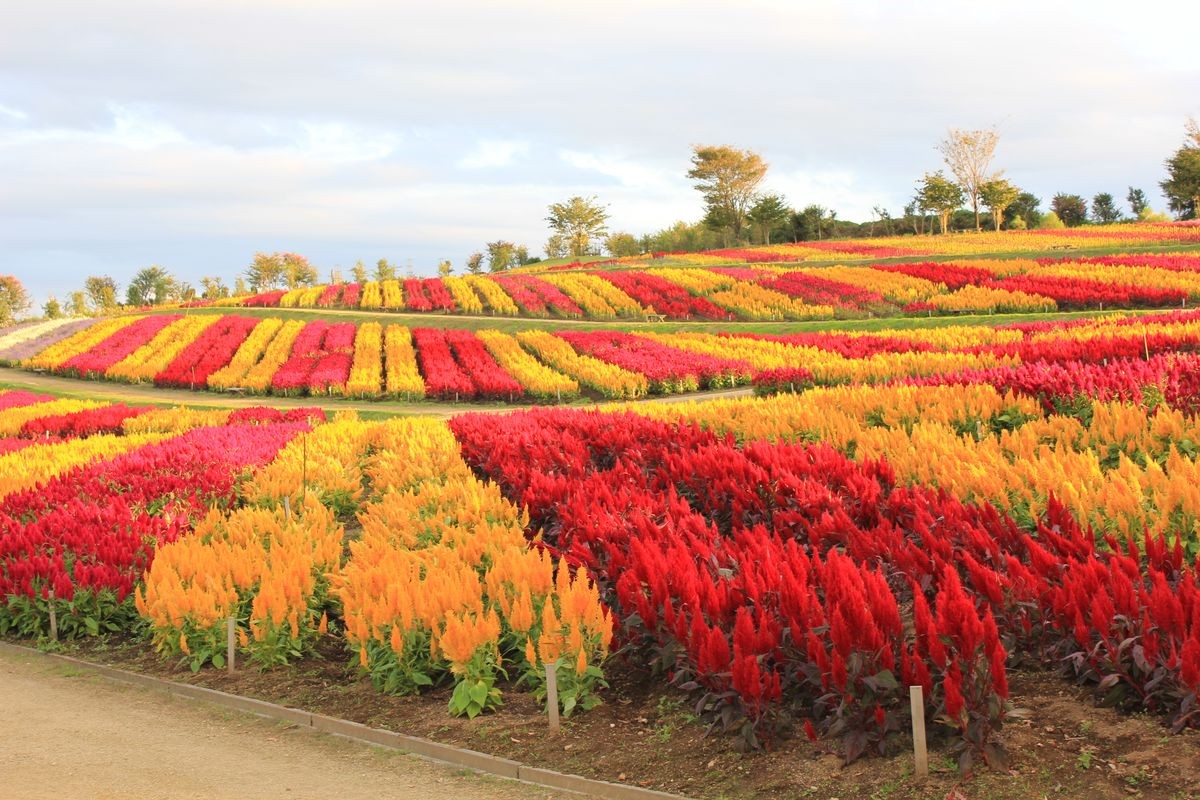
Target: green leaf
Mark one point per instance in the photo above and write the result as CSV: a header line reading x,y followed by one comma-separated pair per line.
x,y
218,660
479,692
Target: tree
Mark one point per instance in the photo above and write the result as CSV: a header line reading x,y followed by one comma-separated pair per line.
x,y
102,292
297,271
1182,186
579,221
806,224
1069,208
769,213
77,304
151,286
52,309
335,275
445,268
1050,222
620,245
1104,209
521,256
940,195
1137,201
384,271
214,288
1024,208
475,263
359,272
239,287
728,179
998,194
501,255
14,300
968,154
681,236
186,292
266,272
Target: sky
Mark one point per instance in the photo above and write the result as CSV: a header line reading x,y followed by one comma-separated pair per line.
x,y
192,134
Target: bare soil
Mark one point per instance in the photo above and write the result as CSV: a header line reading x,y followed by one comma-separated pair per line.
x,y
645,735
70,735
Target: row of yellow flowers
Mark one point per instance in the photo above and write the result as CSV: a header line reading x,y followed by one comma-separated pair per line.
x,y
402,375
596,296
1125,472
247,355
154,356
60,352
366,371
981,298
33,466
609,380
464,296
538,380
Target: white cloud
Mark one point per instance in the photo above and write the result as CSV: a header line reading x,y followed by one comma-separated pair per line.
x,y
13,113
494,153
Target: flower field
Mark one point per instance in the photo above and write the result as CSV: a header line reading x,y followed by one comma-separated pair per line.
x,y
773,283
1131,357
791,563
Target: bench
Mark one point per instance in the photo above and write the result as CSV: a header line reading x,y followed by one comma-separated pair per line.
x,y
236,389
656,318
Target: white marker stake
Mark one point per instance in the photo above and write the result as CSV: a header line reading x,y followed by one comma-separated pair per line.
x,y
916,697
230,640
552,695
287,507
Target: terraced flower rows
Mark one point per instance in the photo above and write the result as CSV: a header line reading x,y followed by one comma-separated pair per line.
x,y
1115,356
754,284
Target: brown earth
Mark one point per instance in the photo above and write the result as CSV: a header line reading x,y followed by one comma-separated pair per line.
x,y
645,735
69,735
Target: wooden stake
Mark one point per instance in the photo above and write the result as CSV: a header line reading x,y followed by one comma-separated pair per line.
x,y
287,507
552,695
230,640
916,698
53,618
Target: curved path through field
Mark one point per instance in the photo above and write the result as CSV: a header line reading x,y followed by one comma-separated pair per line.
x,y
71,736
146,393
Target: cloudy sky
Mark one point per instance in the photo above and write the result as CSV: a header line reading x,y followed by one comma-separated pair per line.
x,y
192,133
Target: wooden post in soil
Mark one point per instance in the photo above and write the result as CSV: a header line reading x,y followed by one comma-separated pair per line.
x,y
230,641
552,695
916,698
53,618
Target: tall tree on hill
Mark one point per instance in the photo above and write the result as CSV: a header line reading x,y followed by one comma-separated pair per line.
x,y
1070,208
1182,185
622,244
384,271
297,271
728,179
1104,209
445,269
214,288
1137,201
52,309
940,195
475,263
101,292
14,300
998,194
266,272
968,154
769,213
580,221
1024,208
77,303
359,272
501,255
151,286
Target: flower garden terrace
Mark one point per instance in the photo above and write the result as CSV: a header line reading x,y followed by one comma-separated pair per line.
x,y
791,563
772,283
1111,357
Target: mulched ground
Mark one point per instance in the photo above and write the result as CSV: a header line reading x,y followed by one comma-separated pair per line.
x,y
645,735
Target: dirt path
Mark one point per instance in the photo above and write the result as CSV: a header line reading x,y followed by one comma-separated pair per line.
x,y
146,393
73,736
